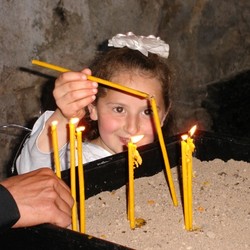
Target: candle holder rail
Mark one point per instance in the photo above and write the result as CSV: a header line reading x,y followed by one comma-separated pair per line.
x,y
111,172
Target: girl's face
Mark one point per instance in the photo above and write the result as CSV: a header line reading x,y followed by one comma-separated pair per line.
x,y
122,115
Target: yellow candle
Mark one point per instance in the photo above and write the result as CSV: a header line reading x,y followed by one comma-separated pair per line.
x,y
190,149
72,125
94,79
49,66
185,181
118,86
131,197
55,148
134,160
187,148
81,179
163,149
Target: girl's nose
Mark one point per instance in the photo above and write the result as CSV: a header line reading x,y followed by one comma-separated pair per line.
x,y
132,125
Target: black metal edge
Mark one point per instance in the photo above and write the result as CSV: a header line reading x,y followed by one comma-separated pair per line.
x,y
47,236
110,173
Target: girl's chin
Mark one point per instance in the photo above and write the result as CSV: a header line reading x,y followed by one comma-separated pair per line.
x,y
121,149
117,150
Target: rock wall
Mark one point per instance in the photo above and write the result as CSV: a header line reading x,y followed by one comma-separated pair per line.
x,y
209,41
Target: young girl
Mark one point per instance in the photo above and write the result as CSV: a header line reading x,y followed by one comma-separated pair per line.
x,y
111,116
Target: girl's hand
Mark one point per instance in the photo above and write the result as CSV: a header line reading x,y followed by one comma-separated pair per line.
x,y
73,92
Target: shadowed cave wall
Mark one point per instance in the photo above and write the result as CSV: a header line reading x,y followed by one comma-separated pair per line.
x,y
209,52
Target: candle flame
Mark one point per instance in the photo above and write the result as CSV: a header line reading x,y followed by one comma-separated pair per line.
x,y
74,120
54,123
184,137
80,129
192,130
136,138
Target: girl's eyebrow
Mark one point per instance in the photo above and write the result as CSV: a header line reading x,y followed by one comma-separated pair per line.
x,y
115,103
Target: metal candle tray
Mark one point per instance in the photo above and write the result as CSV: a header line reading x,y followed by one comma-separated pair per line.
x,y
110,173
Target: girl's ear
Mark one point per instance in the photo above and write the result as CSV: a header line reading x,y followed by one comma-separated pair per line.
x,y
165,115
92,112
163,119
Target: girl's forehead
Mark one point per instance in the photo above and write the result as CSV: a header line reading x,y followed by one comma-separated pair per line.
x,y
120,97
139,81
116,97
145,83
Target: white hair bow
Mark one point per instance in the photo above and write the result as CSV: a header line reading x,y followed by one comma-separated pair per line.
x,y
144,44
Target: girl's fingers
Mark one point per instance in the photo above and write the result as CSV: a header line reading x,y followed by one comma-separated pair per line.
x,y
73,92
75,87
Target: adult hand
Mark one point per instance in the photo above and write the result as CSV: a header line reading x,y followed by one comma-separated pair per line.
x,y
73,92
41,197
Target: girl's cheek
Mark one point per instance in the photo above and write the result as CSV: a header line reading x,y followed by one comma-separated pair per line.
x,y
149,135
108,124
151,138
146,140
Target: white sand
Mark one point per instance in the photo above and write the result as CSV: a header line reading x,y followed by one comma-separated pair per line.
x,y
221,210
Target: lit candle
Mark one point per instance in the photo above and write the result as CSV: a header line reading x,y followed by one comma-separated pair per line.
x,y
94,79
187,149
131,198
163,149
189,185
72,126
190,150
133,160
185,181
55,148
81,179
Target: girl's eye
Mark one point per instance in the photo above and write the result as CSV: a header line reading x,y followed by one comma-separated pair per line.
x,y
118,109
148,112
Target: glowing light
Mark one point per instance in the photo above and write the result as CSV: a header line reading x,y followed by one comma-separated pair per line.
x,y
136,138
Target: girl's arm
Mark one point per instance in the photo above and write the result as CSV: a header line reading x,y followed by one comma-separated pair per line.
x,y
73,92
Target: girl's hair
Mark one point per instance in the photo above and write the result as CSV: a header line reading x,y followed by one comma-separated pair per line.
x,y
108,64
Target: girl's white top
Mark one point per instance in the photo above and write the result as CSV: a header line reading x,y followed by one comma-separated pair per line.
x,y
32,158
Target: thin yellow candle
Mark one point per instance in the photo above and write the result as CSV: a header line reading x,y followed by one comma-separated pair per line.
x,y
72,126
187,148
189,185
118,86
131,198
185,181
190,150
55,148
94,79
134,159
163,149
49,66
81,179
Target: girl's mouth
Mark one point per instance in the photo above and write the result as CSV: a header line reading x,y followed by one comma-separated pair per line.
x,y
124,141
